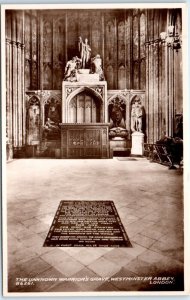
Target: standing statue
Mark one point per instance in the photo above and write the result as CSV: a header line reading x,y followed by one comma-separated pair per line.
x,y
96,66
136,117
80,47
133,118
84,52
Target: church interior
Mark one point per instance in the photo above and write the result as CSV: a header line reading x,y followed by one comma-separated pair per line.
x,y
94,111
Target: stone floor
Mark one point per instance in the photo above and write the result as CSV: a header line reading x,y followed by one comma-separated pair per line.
x,y
149,201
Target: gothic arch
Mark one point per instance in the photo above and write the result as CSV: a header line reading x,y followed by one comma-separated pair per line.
x,y
83,89
120,96
34,99
95,114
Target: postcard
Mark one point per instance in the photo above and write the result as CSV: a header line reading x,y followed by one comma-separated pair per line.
x,y
95,150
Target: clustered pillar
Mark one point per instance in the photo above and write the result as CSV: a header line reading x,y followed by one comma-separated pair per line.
x,y
15,125
163,83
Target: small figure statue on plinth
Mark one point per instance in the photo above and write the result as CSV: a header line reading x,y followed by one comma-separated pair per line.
x,y
96,66
84,52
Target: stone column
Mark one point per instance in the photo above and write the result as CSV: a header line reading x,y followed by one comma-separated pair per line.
x,y
8,101
8,91
166,91
14,93
23,95
19,94
155,98
171,91
41,51
147,89
151,95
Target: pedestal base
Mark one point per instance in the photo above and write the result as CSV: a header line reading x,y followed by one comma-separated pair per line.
x,y
119,147
88,78
137,143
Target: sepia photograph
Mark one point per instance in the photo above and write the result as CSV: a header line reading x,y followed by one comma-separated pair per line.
x,y
93,149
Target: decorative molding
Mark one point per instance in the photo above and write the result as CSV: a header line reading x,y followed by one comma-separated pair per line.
x,y
99,90
69,90
43,94
121,96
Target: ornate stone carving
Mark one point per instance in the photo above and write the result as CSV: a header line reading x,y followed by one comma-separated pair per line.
x,y
43,94
117,112
118,132
119,97
69,90
99,90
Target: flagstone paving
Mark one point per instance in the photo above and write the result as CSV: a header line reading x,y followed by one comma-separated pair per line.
x,y
149,201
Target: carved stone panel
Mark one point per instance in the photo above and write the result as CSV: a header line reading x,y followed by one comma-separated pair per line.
x,y
121,42
72,18
110,42
96,34
47,52
59,41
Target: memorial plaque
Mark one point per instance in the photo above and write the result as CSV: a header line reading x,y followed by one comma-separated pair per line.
x,y
87,224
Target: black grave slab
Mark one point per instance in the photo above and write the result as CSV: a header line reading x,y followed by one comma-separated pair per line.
x,y
87,224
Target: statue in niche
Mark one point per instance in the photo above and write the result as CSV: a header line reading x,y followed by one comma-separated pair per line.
x,y
96,66
84,52
136,116
34,122
53,112
51,128
117,113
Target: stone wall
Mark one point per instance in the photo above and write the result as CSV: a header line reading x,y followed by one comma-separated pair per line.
x,y
117,35
39,43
